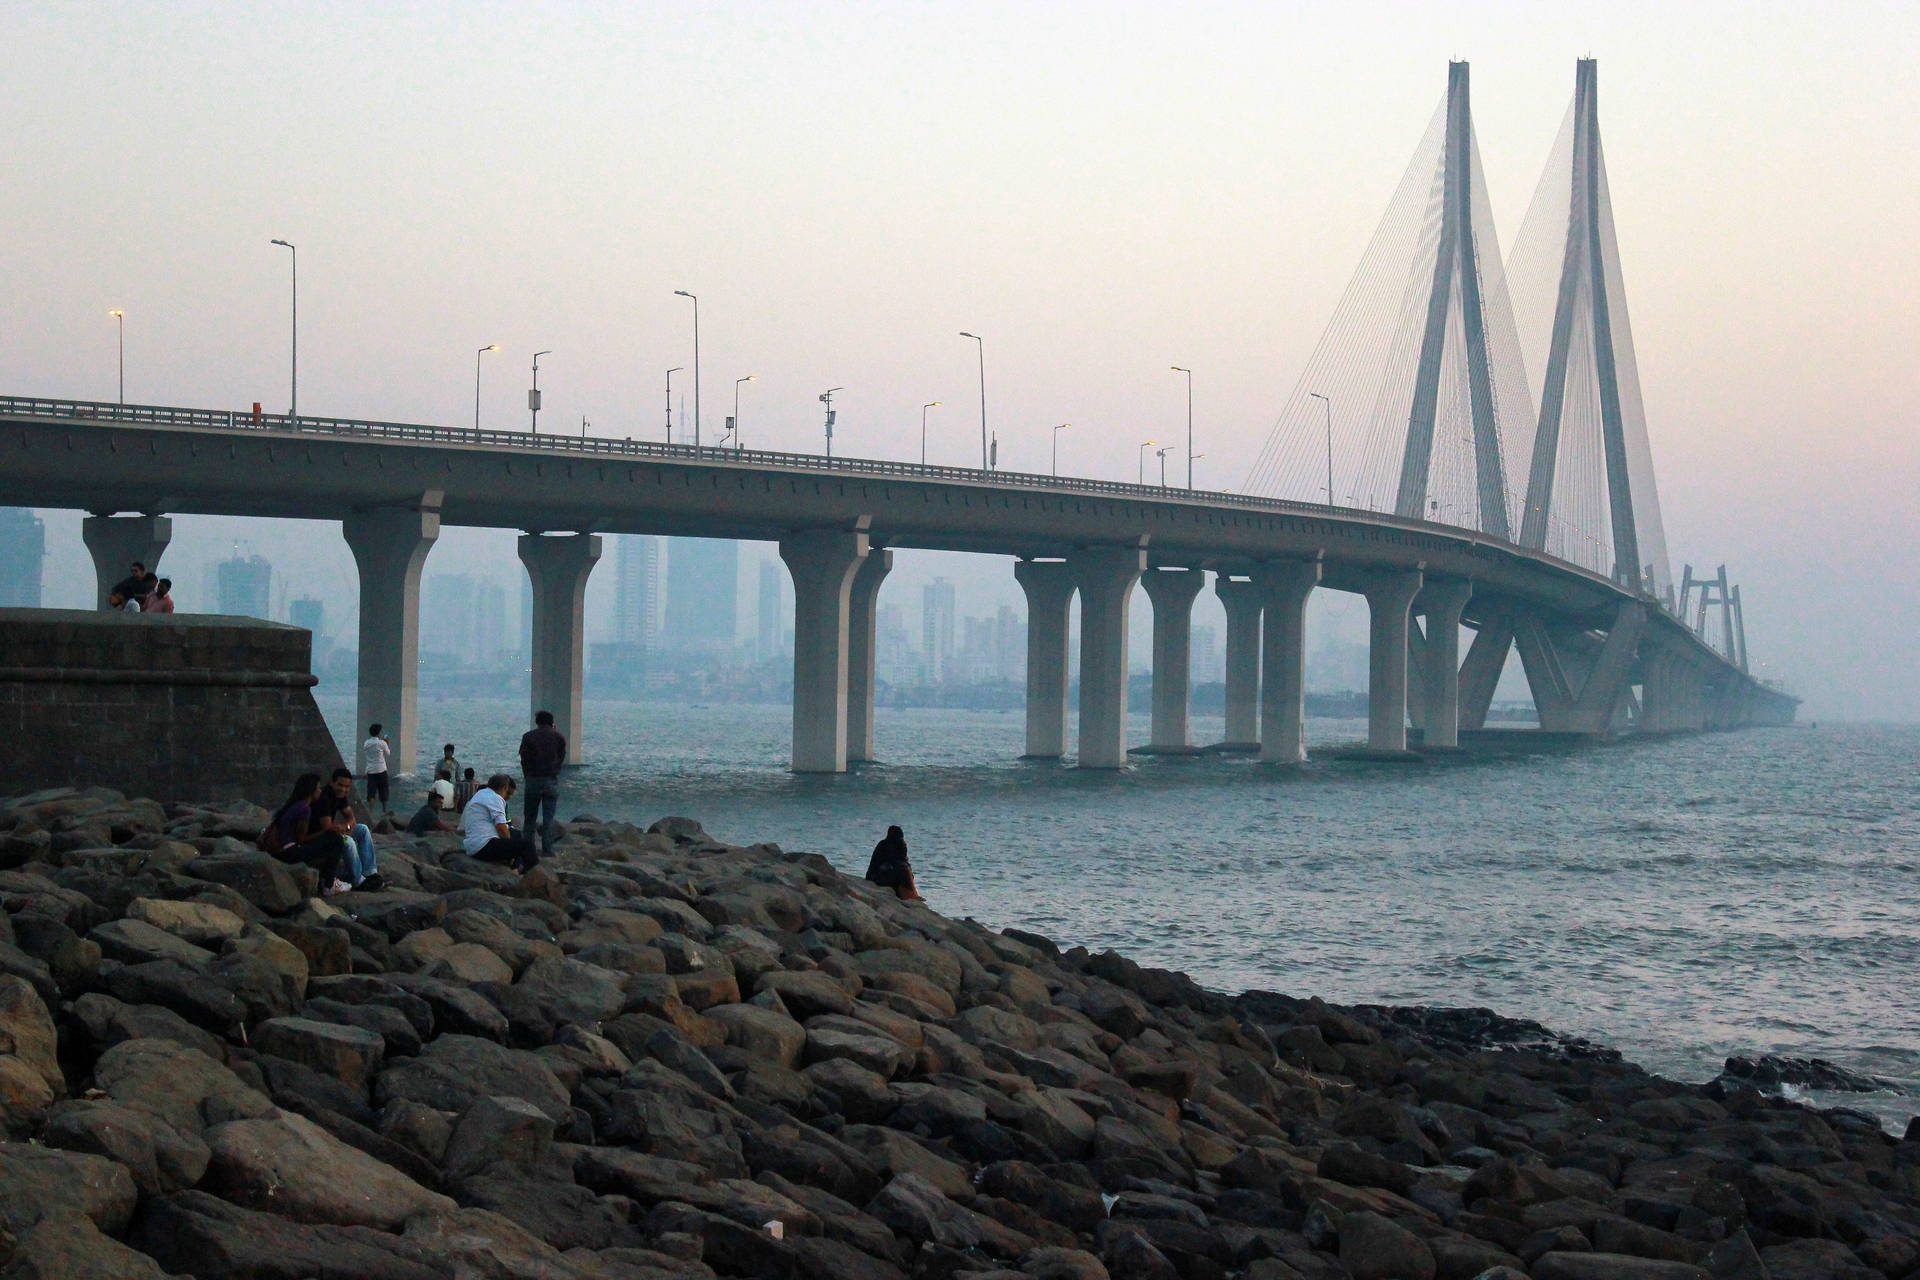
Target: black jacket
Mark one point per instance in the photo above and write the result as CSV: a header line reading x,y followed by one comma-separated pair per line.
x,y
889,866
542,752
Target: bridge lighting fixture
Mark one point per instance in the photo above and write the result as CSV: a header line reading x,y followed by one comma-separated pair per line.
x,y
682,293
533,395
293,392
1056,445
1162,455
676,369
923,429
1315,395
1143,459
983,396
826,398
733,423
476,381
1181,369
121,316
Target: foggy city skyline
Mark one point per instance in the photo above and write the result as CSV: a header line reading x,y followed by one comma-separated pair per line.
x,y
1099,200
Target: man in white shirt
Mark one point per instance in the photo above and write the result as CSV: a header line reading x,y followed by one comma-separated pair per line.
x,y
484,832
375,755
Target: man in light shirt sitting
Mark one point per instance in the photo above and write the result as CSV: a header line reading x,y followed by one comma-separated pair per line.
x,y
484,831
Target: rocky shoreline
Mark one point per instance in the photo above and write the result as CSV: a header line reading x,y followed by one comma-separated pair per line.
x,y
658,1057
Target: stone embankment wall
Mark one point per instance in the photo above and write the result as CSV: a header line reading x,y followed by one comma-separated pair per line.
x,y
163,704
657,1057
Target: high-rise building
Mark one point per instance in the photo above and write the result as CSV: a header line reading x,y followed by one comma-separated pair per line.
x,y
1010,644
23,554
936,627
245,586
637,594
703,579
1208,665
310,614
768,617
489,622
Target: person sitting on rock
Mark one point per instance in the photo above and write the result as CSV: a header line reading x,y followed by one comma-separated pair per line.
x,y
889,866
161,601
439,800
484,832
463,788
335,807
296,836
131,592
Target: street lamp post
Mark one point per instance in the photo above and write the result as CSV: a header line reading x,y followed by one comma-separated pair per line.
x,y
293,392
1143,459
1162,455
1056,445
1315,395
121,316
533,396
476,381
826,398
733,423
682,293
923,429
676,369
983,396
1178,369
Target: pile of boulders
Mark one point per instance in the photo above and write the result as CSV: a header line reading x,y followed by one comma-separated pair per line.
x,y
657,1056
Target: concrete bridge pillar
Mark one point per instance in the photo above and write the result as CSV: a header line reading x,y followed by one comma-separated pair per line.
x,y
1283,587
1389,604
1049,588
390,546
1241,599
863,615
822,563
117,541
557,566
1105,578
1440,601
1172,592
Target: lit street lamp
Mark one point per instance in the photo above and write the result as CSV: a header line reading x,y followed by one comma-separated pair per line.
x,y
682,293
676,369
533,396
121,316
923,430
733,423
293,393
476,381
983,396
1056,445
1143,459
1177,369
1315,395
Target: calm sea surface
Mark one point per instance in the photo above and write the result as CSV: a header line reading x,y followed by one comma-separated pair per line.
x,y
1683,900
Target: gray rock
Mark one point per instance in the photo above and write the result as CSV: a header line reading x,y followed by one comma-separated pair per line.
x,y
455,1009
136,942
194,996
915,1208
201,923
575,991
453,1070
70,1247
507,1132
559,1214
42,1182
762,1032
807,993
160,1157
287,1164
195,1233
269,884
398,1036
1620,1266
106,1021
877,1053
418,1127
350,1055
182,1086
1373,1247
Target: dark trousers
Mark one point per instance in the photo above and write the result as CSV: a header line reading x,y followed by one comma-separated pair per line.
x,y
377,788
514,850
543,798
322,852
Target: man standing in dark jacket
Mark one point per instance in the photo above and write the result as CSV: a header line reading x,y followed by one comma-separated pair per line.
x,y
543,750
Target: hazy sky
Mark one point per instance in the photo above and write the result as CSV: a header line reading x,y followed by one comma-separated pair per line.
x,y
1099,190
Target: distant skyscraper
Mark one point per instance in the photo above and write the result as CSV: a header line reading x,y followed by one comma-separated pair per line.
x,y
245,586
637,594
936,627
23,553
1207,664
703,579
308,613
489,622
446,615
767,613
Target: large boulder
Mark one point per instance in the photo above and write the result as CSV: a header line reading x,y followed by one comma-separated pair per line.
x,y
182,1086
1373,1247
348,1054
72,1248
30,1076
510,1133
287,1164
453,1070
41,1182
198,1234
807,992
575,991
765,1033
269,884
160,1157
133,941
201,923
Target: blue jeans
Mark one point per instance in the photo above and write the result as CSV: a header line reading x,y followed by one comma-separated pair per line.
x,y
543,797
361,861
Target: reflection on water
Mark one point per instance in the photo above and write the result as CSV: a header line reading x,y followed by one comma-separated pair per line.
x,y
1682,899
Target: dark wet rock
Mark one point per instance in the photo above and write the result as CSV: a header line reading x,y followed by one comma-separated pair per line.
x,y
198,1234
160,1158
348,1054
1770,1073
194,996
41,1183
287,1164
453,1070
498,1132
71,1247
263,880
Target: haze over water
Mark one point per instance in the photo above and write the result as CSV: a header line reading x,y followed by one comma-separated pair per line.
x,y
1681,900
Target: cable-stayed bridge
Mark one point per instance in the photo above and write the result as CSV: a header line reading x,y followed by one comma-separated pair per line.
x,y
1394,471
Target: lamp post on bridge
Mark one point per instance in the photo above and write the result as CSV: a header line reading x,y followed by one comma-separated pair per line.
x,y
984,463
1056,446
533,395
733,423
826,398
1315,395
293,392
1178,369
1145,445
121,316
676,369
923,429
476,381
1162,455
682,293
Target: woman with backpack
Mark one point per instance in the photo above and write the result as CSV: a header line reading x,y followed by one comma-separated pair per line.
x,y
295,835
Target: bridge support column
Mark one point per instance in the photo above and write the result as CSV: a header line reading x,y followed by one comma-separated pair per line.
x,y
390,546
557,566
1486,663
1105,577
1389,604
1283,587
1241,599
822,563
1441,600
117,541
863,614
1172,592
1049,588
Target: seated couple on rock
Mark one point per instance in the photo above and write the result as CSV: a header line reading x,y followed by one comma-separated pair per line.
x,y
889,866
316,827
485,833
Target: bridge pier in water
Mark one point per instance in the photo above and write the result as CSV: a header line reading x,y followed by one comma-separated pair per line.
x,y
390,546
115,542
1436,657
1048,585
557,566
1241,600
822,564
1172,592
1282,588
1389,606
863,615
1105,577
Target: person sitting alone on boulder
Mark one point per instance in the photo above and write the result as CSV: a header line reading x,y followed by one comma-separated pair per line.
x,y
889,866
484,832
439,800
296,835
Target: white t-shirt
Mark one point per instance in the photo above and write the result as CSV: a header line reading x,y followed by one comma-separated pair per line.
x,y
479,822
374,754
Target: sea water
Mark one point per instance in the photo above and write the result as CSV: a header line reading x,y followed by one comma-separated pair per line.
x,y
1680,899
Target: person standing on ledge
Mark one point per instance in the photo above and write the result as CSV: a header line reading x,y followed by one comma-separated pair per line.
x,y
543,751
889,867
376,753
